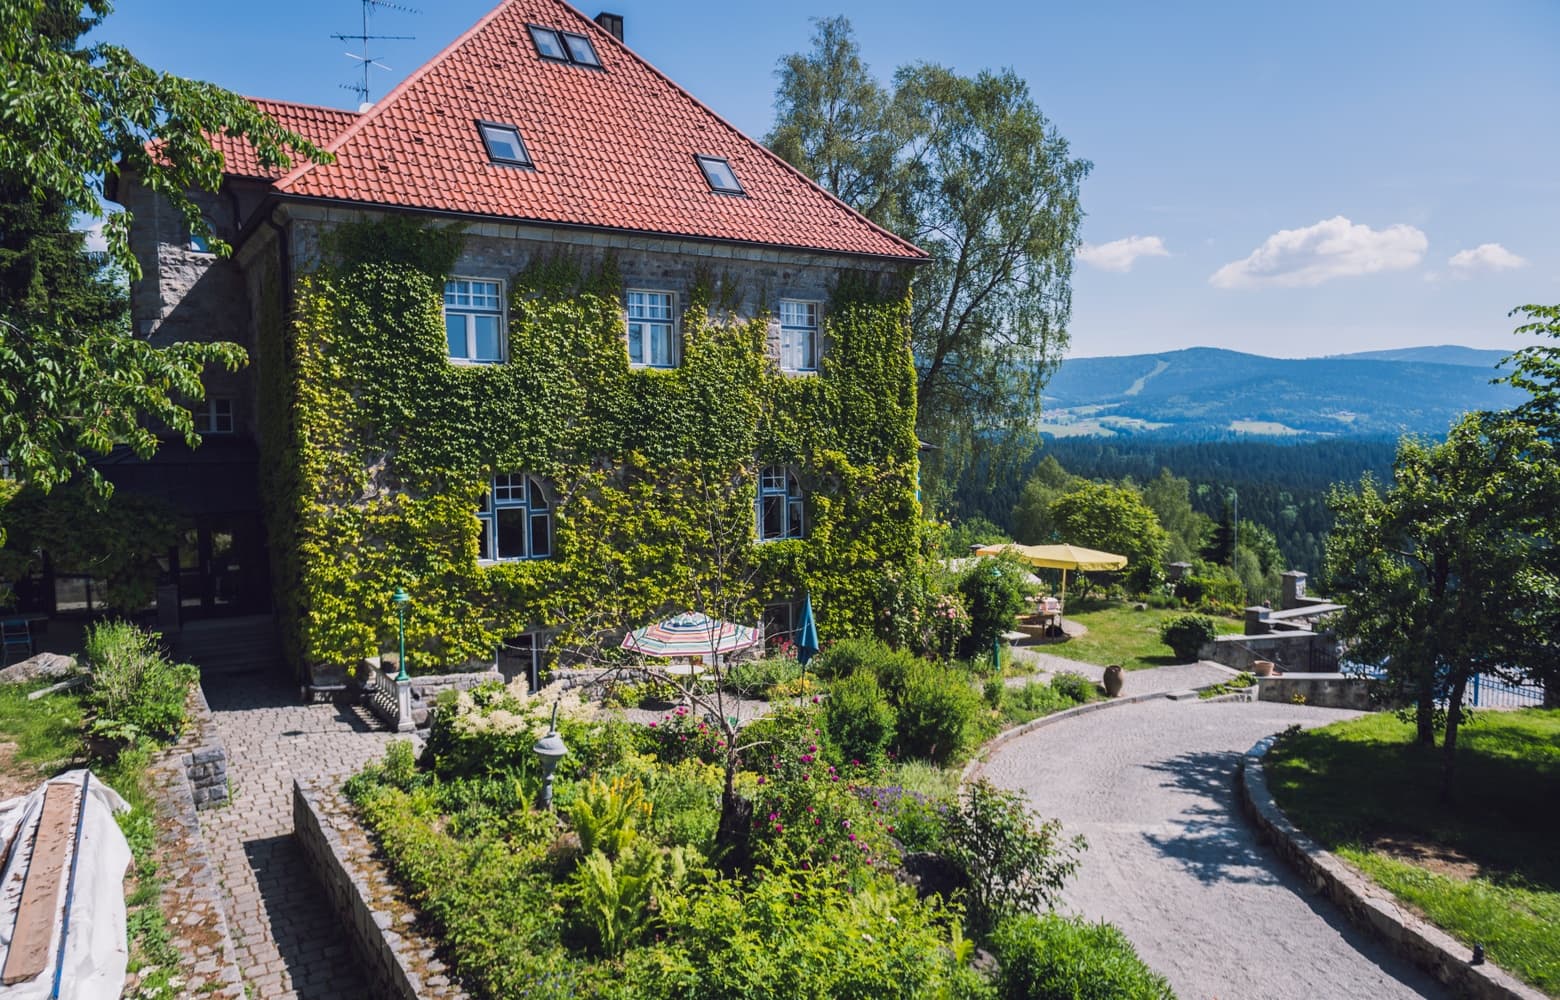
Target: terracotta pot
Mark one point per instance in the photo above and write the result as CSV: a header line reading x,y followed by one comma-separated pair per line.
x,y
1113,681
1262,668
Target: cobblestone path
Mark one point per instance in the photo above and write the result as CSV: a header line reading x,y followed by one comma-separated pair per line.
x,y
1171,861
289,946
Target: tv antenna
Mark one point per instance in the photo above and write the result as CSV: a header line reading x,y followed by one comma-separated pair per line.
x,y
363,37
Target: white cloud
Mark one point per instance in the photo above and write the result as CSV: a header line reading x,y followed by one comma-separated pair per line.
x,y
94,230
1485,257
1119,255
1333,248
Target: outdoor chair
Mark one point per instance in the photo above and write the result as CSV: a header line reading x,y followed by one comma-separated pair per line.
x,y
17,634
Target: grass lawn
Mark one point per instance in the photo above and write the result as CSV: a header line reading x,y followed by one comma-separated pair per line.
x,y
1119,634
38,739
1484,868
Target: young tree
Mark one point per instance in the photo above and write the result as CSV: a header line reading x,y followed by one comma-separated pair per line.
x,y
1114,519
73,379
1170,498
1449,570
970,170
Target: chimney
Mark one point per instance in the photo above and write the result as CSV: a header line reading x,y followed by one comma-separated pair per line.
x,y
612,22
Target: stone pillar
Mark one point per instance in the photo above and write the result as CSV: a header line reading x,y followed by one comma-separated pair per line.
x,y
1177,571
1257,620
1293,590
403,703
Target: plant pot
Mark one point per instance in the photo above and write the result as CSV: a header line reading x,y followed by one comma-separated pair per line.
x,y
1262,668
1113,681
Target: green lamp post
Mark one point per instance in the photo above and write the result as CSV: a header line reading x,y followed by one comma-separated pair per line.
x,y
401,599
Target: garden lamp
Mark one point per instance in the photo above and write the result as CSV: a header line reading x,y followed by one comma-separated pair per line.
x,y
550,749
401,599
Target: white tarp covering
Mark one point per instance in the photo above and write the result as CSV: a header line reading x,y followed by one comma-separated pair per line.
x,y
96,953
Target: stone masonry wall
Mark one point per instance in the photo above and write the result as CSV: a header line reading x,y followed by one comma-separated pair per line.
x,y
398,961
192,892
1291,651
205,764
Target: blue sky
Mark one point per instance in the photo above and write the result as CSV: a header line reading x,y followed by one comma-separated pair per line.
x,y
1290,180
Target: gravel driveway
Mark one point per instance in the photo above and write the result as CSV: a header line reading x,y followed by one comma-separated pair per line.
x,y
1172,862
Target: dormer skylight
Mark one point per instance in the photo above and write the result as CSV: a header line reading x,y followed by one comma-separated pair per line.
x,y
504,145
719,174
580,50
564,46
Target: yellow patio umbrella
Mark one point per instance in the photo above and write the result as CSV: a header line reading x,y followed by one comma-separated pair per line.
x,y
1062,557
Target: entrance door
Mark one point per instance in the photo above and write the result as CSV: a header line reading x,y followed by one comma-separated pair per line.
x,y
220,568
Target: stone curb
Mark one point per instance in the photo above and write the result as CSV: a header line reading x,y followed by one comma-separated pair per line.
x,y
389,956
1367,905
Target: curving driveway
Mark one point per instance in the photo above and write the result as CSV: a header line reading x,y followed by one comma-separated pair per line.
x,y
1171,861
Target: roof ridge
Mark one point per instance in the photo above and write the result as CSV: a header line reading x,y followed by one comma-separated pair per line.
x,y
380,106
776,157
299,104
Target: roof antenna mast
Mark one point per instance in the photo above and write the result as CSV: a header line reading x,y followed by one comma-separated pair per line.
x,y
363,37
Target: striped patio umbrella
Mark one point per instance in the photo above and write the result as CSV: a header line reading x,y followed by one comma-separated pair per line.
x,y
688,635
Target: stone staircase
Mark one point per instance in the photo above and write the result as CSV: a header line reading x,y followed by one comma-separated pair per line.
x,y
231,645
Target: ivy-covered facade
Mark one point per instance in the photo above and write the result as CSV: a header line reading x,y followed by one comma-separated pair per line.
x,y
547,431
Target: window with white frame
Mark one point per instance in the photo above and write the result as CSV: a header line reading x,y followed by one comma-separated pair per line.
x,y
652,329
474,320
214,415
798,335
516,518
780,505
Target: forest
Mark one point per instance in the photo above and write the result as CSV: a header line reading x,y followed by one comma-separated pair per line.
x,y
1278,486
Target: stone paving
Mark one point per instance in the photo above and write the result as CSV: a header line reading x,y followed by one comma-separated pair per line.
x,y
289,946
1179,677
1173,864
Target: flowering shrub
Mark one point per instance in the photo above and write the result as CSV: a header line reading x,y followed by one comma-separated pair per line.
x,y
681,735
808,817
492,728
913,618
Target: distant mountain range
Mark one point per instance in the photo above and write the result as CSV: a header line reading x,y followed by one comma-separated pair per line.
x,y
1205,393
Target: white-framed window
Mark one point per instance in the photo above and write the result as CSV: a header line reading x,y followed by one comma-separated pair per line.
x,y
798,335
517,519
652,329
214,415
781,506
474,320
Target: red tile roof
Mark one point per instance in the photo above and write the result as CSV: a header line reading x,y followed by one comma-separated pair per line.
x,y
613,148
318,125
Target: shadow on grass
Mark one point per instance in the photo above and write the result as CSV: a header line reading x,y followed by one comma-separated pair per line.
x,y
1365,784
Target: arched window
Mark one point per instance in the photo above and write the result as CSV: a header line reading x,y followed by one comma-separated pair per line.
x,y
781,506
516,518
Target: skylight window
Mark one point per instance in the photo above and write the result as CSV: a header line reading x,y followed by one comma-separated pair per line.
x,y
580,50
549,44
719,173
564,46
504,145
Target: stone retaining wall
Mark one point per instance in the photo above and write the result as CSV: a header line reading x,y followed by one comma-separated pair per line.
x,y
192,891
1320,690
1366,904
206,763
1290,650
396,959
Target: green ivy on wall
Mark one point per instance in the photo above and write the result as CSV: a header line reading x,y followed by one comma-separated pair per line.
x,y
377,451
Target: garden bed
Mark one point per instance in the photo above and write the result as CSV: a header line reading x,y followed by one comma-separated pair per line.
x,y
1483,867
641,884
